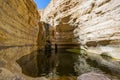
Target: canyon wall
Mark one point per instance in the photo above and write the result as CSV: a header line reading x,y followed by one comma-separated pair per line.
x,y
18,23
94,23
20,29
56,14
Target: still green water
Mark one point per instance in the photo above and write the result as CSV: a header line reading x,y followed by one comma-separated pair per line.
x,y
63,65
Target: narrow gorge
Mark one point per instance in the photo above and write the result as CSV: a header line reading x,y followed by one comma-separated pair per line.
x,y
83,38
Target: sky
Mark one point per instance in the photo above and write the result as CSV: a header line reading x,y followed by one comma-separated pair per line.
x,y
41,4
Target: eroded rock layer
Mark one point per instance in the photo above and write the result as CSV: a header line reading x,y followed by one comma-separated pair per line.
x,y
18,22
20,31
95,22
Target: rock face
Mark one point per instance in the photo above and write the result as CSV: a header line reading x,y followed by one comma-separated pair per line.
x,y
92,76
56,15
95,23
19,23
19,28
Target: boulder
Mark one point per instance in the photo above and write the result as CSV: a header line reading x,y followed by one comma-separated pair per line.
x,y
92,76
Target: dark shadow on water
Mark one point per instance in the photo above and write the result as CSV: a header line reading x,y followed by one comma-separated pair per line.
x,y
38,63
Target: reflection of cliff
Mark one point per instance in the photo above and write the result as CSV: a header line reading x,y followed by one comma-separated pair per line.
x,y
94,24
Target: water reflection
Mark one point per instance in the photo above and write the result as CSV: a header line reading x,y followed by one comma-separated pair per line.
x,y
39,63
47,62
63,63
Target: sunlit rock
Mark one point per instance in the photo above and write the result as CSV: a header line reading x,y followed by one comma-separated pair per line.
x,y
95,22
20,31
92,76
19,23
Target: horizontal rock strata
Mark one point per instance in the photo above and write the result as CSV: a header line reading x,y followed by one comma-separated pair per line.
x,y
95,22
18,22
19,28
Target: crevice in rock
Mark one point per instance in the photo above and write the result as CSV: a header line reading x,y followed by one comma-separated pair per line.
x,y
0,70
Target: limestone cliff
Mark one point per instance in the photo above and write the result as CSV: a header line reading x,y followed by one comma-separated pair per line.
x,y
56,14
95,23
19,28
18,22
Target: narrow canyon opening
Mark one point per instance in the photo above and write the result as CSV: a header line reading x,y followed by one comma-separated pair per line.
x,y
67,40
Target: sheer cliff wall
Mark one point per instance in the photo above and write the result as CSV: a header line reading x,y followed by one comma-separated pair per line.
x,y
96,23
20,31
18,22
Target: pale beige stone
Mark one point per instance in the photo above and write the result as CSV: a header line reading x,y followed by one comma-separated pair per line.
x,y
94,21
20,31
18,22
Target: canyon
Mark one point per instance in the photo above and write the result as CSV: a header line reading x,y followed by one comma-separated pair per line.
x,y
92,25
